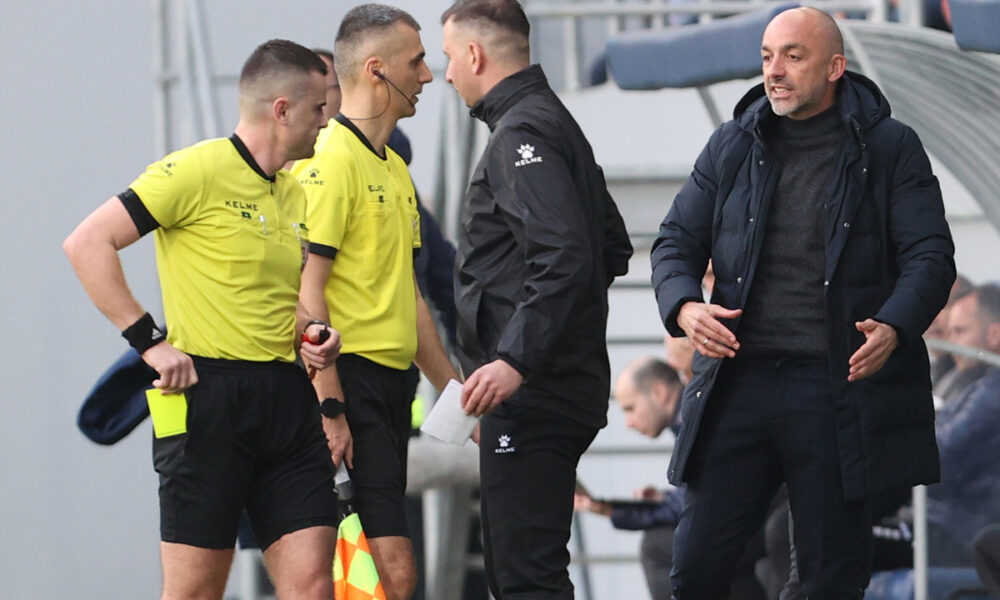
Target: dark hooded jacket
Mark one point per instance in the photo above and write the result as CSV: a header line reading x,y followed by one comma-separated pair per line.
x,y
542,240
889,256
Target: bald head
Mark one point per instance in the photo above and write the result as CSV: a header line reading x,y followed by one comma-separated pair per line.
x,y
647,391
815,24
647,371
802,61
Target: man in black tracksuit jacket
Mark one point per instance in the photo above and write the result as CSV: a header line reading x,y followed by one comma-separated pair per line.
x,y
826,230
542,242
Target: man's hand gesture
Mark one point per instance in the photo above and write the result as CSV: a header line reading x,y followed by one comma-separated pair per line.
x,y
880,341
700,321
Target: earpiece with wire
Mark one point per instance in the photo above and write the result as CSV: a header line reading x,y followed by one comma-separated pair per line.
x,y
379,74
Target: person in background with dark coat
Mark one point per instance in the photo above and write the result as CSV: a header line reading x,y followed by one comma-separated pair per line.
x,y
826,230
542,242
968,497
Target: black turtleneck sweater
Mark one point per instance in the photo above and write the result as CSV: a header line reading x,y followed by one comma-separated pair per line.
x,y
785,315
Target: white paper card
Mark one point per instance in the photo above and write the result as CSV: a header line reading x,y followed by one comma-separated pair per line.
x,y
447,421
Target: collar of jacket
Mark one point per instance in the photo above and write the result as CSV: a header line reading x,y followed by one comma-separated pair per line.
x,y
861,102
506,93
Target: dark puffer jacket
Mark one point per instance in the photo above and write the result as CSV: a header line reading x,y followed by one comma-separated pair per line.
x,y
889,256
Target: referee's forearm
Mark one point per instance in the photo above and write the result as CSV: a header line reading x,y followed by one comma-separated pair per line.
x,y
92,250
312,298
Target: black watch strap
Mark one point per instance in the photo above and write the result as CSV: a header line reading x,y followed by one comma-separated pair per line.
x,y
331,408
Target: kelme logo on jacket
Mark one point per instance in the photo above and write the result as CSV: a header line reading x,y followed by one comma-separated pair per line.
x,y
528,157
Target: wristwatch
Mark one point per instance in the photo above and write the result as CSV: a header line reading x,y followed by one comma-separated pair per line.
x,y
331,408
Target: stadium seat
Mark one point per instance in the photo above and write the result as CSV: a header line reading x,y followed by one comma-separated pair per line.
x,y
690,55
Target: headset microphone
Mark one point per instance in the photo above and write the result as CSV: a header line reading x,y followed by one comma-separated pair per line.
x,y
386,79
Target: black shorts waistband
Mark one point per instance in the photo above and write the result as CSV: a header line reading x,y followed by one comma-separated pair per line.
x,y
226,365
366,363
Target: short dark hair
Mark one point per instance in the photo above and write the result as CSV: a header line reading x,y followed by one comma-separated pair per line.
x,y
358,24
324,53
960,289
654,370
988,302
506,14
280,55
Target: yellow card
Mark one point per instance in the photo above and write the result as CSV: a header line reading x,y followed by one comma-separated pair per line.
x,y
169,412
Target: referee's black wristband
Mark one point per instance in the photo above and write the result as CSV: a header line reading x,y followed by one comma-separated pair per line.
x,y
143,334
324,334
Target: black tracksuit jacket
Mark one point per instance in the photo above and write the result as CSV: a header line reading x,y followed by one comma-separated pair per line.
x,y
542,240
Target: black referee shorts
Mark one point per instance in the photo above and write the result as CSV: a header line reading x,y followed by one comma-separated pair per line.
x,y
254,441
378,413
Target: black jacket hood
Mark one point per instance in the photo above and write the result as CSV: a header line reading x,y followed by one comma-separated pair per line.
x,y
859,98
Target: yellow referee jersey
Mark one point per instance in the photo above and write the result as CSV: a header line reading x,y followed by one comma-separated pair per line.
x,y
362,212
229,248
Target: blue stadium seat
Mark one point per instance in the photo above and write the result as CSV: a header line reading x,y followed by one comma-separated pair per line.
x,y
691,55
976,24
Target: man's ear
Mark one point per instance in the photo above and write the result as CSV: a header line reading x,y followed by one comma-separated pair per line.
x,y
279,109
477,55
993,337
836,67
373,65
661,393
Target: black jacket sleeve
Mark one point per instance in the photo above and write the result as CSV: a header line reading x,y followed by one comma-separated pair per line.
x,y
537,198
924,248
681,251
617,246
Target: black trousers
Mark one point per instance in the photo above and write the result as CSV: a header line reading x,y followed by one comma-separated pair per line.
x,y
527,460
656,559
769,421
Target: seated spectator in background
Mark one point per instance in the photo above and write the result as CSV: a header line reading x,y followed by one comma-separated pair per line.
x,y
967,499
968,496
943,363
648,391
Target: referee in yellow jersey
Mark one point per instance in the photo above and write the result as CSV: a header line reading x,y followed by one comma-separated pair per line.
x,y
364,231
236,422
